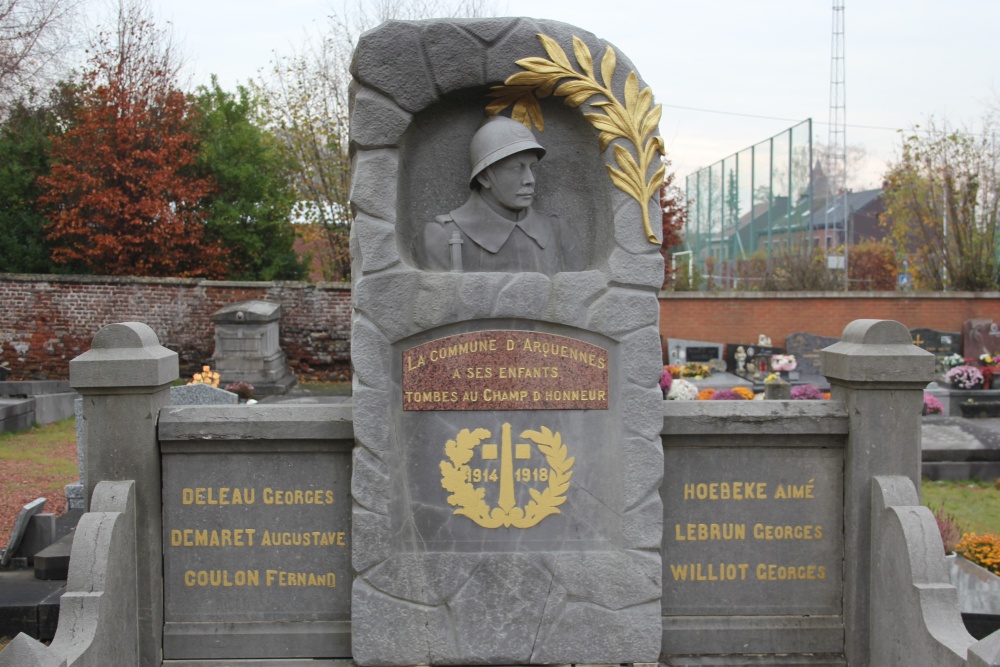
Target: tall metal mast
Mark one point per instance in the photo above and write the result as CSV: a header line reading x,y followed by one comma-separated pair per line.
x,y
836,161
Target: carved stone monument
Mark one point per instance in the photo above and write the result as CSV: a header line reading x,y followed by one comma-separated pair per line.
x,y
506,351
247,347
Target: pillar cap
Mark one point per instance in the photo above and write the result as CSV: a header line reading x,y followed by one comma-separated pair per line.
x,y
877,351
127,354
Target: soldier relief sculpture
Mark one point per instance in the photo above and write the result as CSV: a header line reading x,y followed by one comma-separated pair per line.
x,y
497,229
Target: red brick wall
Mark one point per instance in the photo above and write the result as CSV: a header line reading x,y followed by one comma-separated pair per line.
x,y
736,317
47,320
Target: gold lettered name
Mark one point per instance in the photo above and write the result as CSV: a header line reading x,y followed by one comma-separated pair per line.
x,y
243,578
250,537
723,572
225,496
724,532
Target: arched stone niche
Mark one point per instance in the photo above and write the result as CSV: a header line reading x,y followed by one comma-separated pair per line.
x,y
572,183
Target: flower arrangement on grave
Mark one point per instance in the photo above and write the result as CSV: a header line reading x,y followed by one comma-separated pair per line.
x,y
948,526
745,392
932,406
242,389
206,376
952,360
983,550
773,377
728,395
683,390
666,379
988,359
965,377
675,371
706,394
806,392
695,370
783,362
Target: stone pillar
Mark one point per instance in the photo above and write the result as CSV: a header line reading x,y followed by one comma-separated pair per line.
x,y
880,376
125,379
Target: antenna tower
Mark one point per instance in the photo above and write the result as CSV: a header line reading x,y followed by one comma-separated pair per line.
x,y
836,217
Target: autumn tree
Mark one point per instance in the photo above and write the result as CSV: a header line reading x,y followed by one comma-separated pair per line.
x,y
248,212
123,196
673,204
942,206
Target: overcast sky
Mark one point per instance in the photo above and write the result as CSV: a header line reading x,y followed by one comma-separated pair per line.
x,y
717,66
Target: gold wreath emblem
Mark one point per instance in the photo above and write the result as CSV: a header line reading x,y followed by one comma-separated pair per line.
x,y
455,476
633,121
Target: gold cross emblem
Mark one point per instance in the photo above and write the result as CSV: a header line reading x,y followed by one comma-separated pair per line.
x,y
458,477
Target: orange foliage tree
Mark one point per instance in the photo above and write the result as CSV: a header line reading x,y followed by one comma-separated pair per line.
x,y
122,196
673,203
872,266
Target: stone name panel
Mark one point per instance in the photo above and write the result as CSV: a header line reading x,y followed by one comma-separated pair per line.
x,y
752,531
255,539
505,370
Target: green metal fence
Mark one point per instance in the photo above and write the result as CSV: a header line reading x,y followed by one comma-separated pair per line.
x,y
755,202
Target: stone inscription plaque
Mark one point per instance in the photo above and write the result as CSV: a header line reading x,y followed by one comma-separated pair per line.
x,y
255,538
752,531
505,370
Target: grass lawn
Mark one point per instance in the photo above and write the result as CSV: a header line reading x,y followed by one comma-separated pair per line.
x,y
36,463
974,504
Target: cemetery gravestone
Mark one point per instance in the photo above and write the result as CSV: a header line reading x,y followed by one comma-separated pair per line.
x,y
507,459
980,336
939,343
247,347
681,351
806,348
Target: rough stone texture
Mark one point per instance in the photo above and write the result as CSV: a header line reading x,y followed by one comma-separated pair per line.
x,y
431,587
202,394
915,617
880,376
125,380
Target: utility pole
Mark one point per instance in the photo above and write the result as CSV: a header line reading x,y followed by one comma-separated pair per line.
x,y
836,162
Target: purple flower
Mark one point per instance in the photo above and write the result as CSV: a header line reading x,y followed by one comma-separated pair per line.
x,y
806,392
932,406
666,380
727,395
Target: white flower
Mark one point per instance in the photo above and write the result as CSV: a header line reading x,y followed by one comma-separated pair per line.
x,y
683,390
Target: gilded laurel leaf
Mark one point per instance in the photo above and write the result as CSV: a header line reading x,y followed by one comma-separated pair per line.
x,y
583,57
608,66
555,52
605,139
651,121
541,66
635,120
631,91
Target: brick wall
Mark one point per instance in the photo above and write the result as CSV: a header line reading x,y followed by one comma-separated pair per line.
x,y
735,317
47,320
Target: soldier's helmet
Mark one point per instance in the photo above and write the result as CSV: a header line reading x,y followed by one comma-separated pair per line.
x,y
498,138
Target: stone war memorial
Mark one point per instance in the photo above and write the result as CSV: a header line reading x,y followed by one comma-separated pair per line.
x,y
506,485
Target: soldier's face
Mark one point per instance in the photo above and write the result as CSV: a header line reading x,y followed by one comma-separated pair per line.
x,y
510,182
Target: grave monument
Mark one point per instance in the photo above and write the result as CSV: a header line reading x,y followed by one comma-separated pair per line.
x,y
505,346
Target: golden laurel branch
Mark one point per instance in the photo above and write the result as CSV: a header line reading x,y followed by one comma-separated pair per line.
x,y
634,121
470,500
